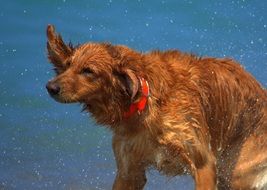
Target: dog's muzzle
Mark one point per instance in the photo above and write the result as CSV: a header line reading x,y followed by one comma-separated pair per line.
x,y
53,88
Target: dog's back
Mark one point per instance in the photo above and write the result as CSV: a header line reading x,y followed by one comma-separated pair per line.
x,y
237,119
235,107
235,110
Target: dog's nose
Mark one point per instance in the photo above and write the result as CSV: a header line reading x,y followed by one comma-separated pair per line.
x,y
53,88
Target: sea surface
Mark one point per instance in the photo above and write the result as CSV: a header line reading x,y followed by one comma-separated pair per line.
x,y
47,145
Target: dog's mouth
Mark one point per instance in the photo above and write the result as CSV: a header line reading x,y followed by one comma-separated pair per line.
x,y
60,99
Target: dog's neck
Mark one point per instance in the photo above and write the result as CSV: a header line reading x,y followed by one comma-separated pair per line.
x,y
140,104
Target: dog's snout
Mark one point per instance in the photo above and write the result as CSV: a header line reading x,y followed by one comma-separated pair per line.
x,y
53,88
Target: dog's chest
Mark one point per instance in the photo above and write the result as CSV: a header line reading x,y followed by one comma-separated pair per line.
x,y
168,164
142,150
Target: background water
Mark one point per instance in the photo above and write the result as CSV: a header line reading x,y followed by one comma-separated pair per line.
x,y
46,145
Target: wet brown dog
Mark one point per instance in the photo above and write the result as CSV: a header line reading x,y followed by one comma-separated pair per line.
x,y
182,114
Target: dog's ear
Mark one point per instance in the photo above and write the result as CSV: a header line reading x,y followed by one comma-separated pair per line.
x,y
58,51
129,81
126,76
113,51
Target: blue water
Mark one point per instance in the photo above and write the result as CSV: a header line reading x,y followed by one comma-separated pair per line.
x,y
47,145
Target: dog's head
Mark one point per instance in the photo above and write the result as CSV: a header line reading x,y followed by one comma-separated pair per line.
x,y
98,75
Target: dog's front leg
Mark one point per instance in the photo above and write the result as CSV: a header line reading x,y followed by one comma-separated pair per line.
x,y
205,177
131,170
129,182
203,169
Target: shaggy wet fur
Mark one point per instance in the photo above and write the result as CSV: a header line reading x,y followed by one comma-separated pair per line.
x,y
206,117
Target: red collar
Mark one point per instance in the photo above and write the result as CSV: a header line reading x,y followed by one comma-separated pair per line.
x,y
139,105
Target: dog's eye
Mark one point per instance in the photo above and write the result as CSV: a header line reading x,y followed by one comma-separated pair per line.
x,y
87,72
